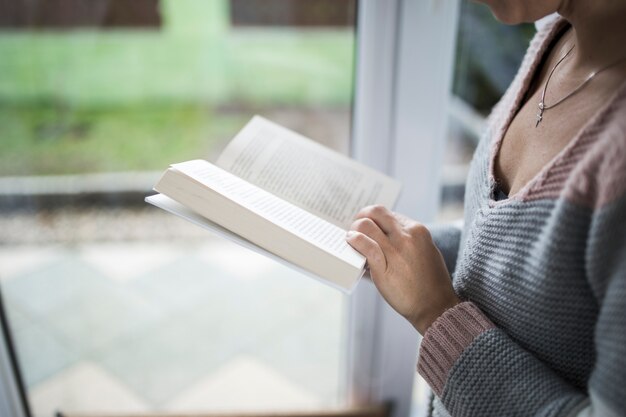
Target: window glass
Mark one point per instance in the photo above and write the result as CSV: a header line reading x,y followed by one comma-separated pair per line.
x,y
487,58
117,307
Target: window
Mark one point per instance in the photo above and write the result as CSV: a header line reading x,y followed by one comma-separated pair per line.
x,y
488,55
89,106
113,305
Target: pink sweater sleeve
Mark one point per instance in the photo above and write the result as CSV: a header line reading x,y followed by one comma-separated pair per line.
x,y
446,339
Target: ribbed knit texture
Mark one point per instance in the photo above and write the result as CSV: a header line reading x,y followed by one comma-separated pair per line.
x,y
543,330
446,339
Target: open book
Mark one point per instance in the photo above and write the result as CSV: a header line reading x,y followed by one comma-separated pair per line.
x,y
281,194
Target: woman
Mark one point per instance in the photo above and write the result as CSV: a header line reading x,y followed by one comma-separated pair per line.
x,y
533,322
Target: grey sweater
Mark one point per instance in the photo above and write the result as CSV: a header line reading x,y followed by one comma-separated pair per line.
x,y
542,331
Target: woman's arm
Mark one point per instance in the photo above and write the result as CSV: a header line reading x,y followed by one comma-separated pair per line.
x,y
474,367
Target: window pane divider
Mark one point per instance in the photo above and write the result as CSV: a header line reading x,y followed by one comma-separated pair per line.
x,y
405,55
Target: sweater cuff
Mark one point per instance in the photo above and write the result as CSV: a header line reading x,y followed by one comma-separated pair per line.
x,y
446,339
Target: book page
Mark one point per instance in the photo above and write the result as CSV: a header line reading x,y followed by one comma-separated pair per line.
x,y
306,173
180,210
295,220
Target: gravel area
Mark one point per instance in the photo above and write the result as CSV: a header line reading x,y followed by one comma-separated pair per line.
x,y
76,225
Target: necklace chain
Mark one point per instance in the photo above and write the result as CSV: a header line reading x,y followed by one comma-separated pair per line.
x,y
542,104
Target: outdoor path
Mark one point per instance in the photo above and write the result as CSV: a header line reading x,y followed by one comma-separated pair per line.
x,y
135,310
156,324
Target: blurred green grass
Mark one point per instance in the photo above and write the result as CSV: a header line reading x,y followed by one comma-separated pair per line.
x,y
48,138
116,100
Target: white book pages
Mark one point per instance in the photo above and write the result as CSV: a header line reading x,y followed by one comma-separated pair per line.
x,y
171,206
305,173
297,221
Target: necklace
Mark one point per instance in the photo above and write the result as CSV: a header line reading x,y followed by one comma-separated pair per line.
x,y
542,104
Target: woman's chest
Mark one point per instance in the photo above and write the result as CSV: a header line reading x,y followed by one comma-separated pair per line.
x,y
527,147
534,138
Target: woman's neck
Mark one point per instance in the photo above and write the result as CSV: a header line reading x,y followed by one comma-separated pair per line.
x,y
599,31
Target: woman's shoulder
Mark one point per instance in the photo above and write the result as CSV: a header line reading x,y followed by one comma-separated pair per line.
x,y
591,171
599,177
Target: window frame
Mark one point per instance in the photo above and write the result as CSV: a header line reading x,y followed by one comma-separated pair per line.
x,y
12,396
405,62
399,124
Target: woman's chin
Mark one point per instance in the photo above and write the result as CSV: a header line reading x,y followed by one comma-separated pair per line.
x,y
514,12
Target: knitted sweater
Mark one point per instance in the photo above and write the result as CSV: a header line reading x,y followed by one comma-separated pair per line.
x,y
542,329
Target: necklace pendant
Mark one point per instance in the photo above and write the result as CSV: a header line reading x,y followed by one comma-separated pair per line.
x,y
540,113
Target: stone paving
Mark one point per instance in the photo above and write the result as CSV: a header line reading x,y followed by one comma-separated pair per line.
x,y
187,324
123,310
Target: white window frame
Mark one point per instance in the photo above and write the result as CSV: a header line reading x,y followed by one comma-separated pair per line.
x,y
11,401
405,58
403,72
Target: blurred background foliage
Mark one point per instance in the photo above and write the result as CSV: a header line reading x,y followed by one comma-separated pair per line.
x,y
126,99
89,100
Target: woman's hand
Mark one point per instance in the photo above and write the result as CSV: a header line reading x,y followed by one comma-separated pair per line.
x,y
405,265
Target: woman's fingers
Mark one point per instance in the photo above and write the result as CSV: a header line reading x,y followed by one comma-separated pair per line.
x,y
369,228
405,265
370,249
367,237
384,218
